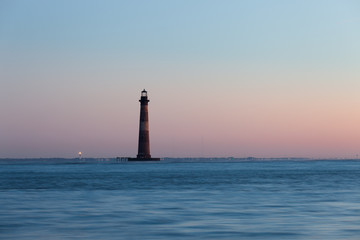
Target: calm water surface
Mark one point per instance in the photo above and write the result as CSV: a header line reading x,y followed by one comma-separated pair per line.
x,y
180,200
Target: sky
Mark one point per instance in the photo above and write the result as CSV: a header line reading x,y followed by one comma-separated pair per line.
x,y
225,78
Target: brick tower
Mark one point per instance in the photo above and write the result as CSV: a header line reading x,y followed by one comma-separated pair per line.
x,y
144,139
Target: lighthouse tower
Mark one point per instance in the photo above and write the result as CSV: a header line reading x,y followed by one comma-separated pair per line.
x,y
144,139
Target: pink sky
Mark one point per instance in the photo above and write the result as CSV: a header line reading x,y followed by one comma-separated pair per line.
x,y
247,78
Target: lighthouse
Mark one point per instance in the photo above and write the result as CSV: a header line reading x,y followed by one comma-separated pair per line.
x,y
144,138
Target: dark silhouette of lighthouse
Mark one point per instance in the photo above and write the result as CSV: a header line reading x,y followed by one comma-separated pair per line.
x,y
144,139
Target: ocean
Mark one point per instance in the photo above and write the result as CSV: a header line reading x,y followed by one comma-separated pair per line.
x,y
178,199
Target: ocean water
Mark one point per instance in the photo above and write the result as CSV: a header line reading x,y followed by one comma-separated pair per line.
x,y
180,200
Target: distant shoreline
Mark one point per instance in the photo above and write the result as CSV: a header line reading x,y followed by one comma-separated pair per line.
x,y
175,159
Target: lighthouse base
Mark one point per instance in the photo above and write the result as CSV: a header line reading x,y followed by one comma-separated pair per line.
x,y
143,159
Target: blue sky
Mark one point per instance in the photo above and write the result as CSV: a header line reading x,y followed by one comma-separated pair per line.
x,y
71,73
224,32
